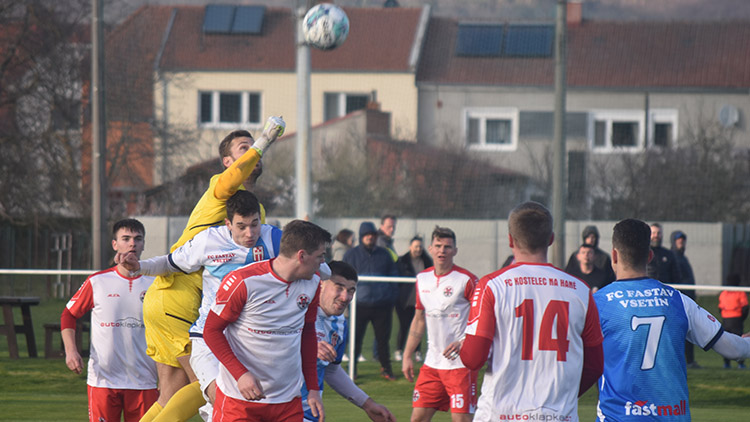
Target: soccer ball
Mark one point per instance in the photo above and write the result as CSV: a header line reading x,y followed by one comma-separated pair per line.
x,y
326,26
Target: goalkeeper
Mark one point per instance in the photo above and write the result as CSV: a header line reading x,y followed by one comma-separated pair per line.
x,y
171,303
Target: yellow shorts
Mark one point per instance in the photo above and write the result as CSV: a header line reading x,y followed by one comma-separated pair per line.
x,y
169,309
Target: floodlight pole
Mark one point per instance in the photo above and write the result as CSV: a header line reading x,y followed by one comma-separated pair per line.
x,y
303,158
559,153
98,141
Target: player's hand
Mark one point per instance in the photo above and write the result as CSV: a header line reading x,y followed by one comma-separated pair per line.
x,y
407,367
316,405
326,352
274,128
73,361
452,351
747,334
129,260
377,412
250,387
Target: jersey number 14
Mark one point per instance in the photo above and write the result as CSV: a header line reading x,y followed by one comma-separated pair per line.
x,y
556,310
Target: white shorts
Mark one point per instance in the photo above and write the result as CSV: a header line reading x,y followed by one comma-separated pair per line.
x,y
204,364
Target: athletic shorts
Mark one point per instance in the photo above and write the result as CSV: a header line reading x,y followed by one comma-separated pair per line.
x,y
107,404
168,313
446,389
204,364
230,409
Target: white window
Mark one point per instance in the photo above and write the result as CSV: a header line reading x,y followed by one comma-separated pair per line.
x,y
337,104
217,109
616,130
491,128
662,130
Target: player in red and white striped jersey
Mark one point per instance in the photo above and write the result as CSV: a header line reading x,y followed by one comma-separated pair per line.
x,y
121,377
262,330
542,326
443,297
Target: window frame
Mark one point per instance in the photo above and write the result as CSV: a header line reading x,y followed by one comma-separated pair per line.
x,y
244,111
341,98
663,116
615,116
490,113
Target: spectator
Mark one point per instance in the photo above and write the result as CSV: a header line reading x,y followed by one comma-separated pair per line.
x,y
733,305
664,265
385,234
409,265
602,259
375,300
343,242
595,277
679,242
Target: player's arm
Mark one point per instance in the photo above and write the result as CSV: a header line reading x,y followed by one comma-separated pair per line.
x,y
416,332
340,382
231,179
593,354
480,329
732,346
79,304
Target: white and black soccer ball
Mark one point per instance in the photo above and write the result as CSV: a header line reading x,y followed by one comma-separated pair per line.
x,y
326,26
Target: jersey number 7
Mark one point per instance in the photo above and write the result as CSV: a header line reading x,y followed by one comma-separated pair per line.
x,y
555,310
655,325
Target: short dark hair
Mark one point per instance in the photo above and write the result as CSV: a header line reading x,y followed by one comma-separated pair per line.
x,y
129,223
387,216
341,268
226,143
343,235
655,225
586,246
443,233
243,203
530,226
415,238
631,239
302,235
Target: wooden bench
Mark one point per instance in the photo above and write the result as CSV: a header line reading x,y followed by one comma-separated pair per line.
x,y
51,352
10,330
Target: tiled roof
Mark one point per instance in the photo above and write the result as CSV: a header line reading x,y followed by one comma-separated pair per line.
x,y
606,55
380,40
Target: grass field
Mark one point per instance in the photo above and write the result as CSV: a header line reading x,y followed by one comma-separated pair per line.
x,y
45,390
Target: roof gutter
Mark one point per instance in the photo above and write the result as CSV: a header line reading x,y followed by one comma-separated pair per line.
x,y
416,47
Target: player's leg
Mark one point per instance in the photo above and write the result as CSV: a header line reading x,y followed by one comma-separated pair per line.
x,y
137,402
461,386
104,404
429,395
206,368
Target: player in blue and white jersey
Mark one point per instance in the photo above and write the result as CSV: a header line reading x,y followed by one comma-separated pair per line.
x,y
645,324
219,250
332,331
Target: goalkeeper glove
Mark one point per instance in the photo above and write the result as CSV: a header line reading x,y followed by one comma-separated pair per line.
x,y
274,128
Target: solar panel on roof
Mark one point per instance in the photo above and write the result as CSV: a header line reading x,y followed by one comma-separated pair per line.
x,y
479,40
218,19
529,41
248,20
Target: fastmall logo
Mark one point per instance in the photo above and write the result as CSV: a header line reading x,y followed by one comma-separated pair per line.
x,y
642,408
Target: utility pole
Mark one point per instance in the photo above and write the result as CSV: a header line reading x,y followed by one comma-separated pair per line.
x,y
559,191
303,157
98,141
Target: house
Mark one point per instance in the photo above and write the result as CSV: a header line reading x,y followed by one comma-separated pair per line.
x,y
632,87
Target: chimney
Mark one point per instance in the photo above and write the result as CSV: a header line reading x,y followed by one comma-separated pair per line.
x,y
574,13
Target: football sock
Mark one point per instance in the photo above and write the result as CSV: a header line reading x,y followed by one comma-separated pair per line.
x,y
152,412
183,405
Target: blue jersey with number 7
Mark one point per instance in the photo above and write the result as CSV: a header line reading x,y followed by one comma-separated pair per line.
x,y
645,325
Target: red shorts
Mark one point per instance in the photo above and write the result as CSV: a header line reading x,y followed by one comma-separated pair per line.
x,y
446,389
230,409
109,403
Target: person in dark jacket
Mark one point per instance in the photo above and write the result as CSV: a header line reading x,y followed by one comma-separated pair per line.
x,y
679,242
663,266
375,300
409,264
602,259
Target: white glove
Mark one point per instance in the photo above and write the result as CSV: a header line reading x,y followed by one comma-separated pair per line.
x,y
274,128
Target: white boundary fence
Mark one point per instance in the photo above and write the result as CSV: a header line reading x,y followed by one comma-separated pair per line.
x,y
353,305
